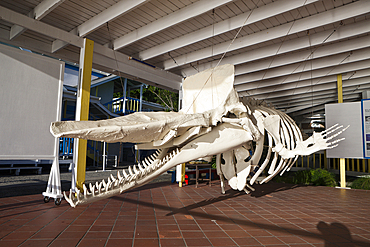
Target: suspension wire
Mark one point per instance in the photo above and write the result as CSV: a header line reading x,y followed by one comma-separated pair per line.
x,y
311,53
115,58
309,40
222,57
281,44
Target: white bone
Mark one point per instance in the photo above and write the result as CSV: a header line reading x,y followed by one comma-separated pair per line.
x,y
130,171
201,129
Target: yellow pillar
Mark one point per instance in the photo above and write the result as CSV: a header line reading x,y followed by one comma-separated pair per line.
x,y
325,161
363,165
82,108
353,165
358,165
182,174
308,161
342,161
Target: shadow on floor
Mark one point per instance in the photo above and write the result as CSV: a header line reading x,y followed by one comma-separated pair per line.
x,y
272,187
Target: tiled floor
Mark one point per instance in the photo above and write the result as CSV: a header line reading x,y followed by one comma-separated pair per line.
x,y
163,214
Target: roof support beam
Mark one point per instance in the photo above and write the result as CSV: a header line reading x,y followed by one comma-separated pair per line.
x,y
257,79
299,100
305,56
307,90
41,10
344,32
104,57
238,21
319,102
100,19
172,19
325,18
304,99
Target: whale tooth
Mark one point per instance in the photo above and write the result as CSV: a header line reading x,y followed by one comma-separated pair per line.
x,y
78,195
147,162
135,170
130,170
91,187
113,178
119,176
143,165
125,174
99,187
141,168
85,189
93,190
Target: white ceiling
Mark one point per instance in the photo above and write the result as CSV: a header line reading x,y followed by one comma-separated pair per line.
x,y
286,52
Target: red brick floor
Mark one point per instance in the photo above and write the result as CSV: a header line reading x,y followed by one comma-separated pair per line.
x,y
163,214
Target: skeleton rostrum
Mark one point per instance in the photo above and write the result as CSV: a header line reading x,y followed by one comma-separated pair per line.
x,y
213,121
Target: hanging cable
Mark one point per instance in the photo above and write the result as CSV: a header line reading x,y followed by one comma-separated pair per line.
x,y
304,60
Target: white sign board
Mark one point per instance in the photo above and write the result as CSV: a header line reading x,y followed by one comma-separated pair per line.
x,y
365,117
346,114
31,88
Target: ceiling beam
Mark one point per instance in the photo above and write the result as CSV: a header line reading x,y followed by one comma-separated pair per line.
x,y
257,79
38,26
292,80
167,21
227,25
306,56
320,102
104,57
304,24
305,42
306,90
100,19
305,99
41,10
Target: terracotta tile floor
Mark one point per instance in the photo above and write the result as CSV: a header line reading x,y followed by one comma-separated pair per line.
x,y
162,214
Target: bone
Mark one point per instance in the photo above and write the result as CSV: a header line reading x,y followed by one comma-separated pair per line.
x,y
119,176
130,171
264,164
93,190
113,178
332,130
135,170
142,169
335,135
124,173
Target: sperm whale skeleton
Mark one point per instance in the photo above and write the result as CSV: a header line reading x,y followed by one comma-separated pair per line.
x,y
213,121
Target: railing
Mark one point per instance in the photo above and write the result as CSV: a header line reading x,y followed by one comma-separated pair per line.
x,y
122,106
65,146
318,160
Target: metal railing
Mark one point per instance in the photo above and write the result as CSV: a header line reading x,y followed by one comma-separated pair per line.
x,y
319,160
65,146
123,106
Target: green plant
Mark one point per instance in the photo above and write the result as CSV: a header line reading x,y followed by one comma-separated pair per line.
x,y
361,183
322,177
302,177
318,177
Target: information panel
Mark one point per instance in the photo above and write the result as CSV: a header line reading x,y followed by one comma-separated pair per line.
x,y
31,88
365,110
345,114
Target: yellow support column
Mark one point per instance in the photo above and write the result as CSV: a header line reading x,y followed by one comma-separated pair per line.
x,y
82,108
325,161
363,165
342,163
182,174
